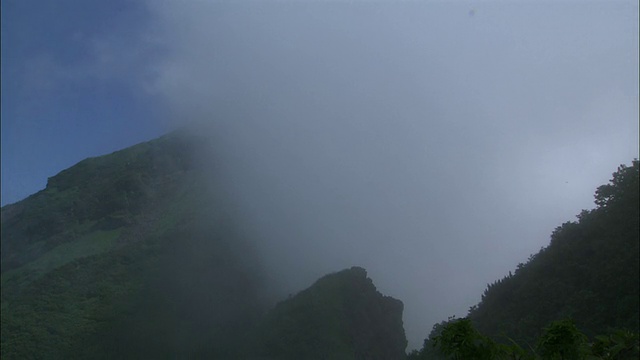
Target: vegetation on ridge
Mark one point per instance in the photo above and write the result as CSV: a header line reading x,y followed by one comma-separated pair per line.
x,y
458,339
589,273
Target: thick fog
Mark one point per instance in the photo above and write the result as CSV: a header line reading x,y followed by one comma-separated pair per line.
x,y
435,144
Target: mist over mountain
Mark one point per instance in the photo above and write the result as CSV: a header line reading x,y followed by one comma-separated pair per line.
x,y
396,135
137,254
431,143
145,253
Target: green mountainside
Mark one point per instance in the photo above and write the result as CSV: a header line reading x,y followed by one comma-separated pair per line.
x,y
135,255
114,257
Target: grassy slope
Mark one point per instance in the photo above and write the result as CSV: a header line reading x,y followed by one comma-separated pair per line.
x,y
76,253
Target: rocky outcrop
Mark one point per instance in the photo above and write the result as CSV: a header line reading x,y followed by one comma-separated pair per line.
x,y
342,316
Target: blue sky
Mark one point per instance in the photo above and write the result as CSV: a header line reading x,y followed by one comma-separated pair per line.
x,y
411,138
62,102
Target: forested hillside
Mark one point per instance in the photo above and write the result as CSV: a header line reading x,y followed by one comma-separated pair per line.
x,y
587,277
589,272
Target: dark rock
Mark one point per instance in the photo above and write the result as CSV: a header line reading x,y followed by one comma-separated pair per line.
x,y
342,316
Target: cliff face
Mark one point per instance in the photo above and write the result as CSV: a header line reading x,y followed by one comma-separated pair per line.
x,y
342,316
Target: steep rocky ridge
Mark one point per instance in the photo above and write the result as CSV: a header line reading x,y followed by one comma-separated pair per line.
x,y
342,316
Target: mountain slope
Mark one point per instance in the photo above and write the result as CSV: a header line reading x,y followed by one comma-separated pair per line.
x,y
128,254
136,254
589,272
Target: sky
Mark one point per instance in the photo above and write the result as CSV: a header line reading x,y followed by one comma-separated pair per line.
x,y
437,144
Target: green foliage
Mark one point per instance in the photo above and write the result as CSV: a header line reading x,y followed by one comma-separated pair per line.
x,y
623,189
429,349
458,339
56,315
108,192
621,344
562,340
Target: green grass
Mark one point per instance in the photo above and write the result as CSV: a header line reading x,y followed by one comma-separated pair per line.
x,y
94,243
91,244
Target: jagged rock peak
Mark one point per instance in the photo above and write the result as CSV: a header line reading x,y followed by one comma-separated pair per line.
x,y
341,316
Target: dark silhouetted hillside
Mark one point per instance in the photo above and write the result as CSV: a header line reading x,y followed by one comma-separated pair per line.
x,y
589,276
342,316
589,272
